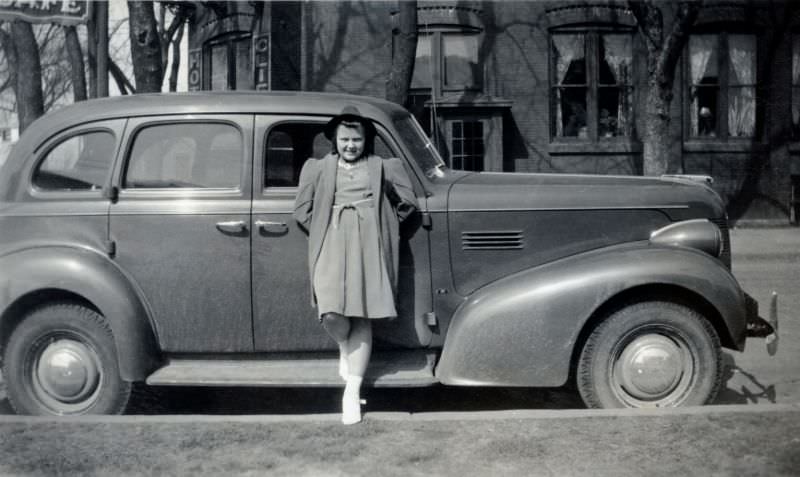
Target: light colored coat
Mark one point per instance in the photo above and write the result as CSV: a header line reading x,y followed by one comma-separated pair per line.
x,y
392,192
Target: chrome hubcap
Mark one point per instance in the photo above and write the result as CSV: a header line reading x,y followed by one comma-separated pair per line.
x,y
68,371
653,367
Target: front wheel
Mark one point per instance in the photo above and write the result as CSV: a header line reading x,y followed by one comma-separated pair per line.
x,y
651,354
61,360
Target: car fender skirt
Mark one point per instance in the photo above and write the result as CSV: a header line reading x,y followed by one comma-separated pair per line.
x,y
521,330
92,276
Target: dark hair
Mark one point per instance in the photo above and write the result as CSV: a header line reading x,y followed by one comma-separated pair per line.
x,y
369,139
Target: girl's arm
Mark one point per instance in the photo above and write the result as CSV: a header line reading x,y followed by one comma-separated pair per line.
x,y
399,189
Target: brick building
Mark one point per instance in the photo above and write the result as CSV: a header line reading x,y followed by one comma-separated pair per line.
x,y
541,86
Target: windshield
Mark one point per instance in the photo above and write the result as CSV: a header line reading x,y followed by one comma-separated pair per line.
x,y
420,146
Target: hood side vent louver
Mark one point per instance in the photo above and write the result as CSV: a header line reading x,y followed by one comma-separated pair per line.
x,y
493,240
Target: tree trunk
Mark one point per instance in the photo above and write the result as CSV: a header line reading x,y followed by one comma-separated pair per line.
x,y
30,101
663,54
405,50
76,64
656,135
176,60
145,47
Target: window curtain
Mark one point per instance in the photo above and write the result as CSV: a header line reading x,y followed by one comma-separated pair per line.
x,y
742,101
618,55
567,48
700,51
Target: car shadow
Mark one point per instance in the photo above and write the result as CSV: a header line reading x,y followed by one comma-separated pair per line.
x,y
203,400
741,387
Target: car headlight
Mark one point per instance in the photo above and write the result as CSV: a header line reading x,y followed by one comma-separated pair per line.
x,y
701,234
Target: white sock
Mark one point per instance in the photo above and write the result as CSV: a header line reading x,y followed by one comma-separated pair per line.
x,y
351,402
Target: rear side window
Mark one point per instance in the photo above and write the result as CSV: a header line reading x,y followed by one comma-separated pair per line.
x,y
81,162
288,146
187,155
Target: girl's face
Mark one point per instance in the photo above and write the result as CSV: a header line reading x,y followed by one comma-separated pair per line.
x,y
350,142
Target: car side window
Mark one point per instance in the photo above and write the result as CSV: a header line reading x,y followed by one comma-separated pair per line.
x,y
81,162
288,145
185,155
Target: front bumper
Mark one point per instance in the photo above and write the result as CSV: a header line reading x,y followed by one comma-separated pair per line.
x,y
767,328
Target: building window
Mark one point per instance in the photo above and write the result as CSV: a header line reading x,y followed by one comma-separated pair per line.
x,y
722,75
796,87
467,145
447,61
592,90
228,62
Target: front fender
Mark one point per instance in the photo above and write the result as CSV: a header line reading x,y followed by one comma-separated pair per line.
x,y
521,330
93,276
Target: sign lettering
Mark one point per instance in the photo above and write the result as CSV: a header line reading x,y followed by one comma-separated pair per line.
x,y
67,12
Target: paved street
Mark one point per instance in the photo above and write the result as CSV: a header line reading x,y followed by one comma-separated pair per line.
x,y
764,260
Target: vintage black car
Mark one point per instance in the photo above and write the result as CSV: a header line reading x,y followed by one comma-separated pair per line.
x,y
149,239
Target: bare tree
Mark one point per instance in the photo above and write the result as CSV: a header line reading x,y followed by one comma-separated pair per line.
x,y
25,70
75,53
151,41
148,69
405,49
663,53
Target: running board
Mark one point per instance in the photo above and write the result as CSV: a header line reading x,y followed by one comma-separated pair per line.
x,y
385,370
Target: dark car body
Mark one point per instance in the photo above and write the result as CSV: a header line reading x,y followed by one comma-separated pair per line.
x,y
200,273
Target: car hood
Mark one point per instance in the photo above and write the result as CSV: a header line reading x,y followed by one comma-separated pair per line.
x,y
680,198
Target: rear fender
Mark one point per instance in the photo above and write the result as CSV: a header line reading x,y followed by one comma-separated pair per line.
x,y
521,330
91,275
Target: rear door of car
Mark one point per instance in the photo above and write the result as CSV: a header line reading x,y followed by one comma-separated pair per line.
x,y
181,227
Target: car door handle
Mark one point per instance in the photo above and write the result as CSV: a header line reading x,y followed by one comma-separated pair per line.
x,y
270,226
234,226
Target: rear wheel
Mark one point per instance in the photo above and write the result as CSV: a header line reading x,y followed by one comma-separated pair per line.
x,y
61,360
651,354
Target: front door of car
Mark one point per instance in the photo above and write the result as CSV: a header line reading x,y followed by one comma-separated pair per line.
x,y
283,318
181,226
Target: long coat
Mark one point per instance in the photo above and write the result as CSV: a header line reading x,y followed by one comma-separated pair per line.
x,y
394,202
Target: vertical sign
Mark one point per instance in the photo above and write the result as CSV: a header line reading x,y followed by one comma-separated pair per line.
x,y
195,76
262,62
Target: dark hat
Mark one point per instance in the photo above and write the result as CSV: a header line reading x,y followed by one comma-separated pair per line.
x,y
349,113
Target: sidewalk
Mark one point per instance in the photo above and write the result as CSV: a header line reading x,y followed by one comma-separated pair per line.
x,y
748,243
712,440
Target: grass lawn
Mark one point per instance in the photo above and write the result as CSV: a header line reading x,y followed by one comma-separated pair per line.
x,y
715,443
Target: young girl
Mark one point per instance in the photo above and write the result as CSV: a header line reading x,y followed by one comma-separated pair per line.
x,y
351,203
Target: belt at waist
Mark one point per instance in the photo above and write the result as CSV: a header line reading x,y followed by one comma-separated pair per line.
x,y
358,206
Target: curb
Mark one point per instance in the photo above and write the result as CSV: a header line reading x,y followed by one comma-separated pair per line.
x,y
418,417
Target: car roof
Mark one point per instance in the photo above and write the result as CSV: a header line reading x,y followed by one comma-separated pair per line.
x,y
204,102
187,103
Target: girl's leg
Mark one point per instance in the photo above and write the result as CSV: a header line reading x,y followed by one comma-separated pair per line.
x,y
359,347
339,327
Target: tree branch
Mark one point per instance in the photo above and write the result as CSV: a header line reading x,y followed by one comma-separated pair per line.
x,y
120,78
673,46
650,23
